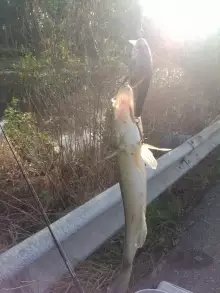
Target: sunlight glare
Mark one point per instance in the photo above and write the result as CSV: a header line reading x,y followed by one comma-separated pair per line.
x,y
182,20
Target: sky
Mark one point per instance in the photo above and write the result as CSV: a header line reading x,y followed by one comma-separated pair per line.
x,y
184,20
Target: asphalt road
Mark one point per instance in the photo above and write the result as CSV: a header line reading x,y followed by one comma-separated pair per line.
x,y
194,264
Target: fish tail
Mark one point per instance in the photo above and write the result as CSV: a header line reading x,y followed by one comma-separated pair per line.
x,y
120,284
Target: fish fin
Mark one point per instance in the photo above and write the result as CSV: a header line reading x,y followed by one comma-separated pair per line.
x,y
112,155
156,148
121,282
148,156
133,42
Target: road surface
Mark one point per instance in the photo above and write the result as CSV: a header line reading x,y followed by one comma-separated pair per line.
x,y
194,264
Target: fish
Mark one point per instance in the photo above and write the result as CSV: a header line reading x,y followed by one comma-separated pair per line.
x,y
132,156
140,72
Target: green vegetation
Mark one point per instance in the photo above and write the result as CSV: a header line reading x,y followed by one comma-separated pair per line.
x,y
32,144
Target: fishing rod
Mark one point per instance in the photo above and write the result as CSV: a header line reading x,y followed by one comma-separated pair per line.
x,y
46,219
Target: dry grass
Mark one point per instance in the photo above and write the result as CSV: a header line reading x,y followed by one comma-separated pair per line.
x,y
62,189
19,216
178,102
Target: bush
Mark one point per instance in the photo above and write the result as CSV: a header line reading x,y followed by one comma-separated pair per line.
x,y
32,145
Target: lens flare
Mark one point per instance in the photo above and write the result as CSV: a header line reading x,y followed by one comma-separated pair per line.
x,y
183,20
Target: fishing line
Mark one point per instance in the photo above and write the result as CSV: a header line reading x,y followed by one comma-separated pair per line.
x,y
46,219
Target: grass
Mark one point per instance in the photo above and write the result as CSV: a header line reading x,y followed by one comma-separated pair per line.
x,y
19,214
60,190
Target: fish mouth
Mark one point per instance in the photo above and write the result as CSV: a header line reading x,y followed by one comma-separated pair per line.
x,y
124,104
